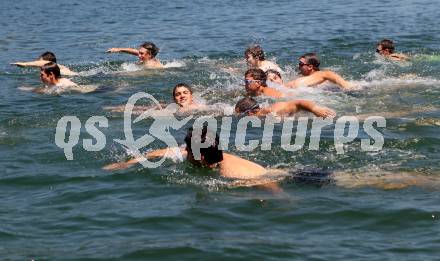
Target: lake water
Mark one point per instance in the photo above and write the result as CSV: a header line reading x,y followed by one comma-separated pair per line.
x,y
54,209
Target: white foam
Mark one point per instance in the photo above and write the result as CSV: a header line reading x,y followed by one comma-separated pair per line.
x,y
175,64
404,81
94,71
131,67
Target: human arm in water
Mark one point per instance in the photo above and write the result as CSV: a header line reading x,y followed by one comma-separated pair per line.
x,y
38,63
131,51
318,78
291,107
149,155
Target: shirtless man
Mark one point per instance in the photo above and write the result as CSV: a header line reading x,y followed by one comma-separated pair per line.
x,y
255,59
385,48
247,173
309,67
51,76
228,165
46,58
147,54
255,83
248,106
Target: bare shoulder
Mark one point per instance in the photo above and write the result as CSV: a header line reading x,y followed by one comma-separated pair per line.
x,y
66,71
235,167
153,64
399,57
64,82
270,65
326,73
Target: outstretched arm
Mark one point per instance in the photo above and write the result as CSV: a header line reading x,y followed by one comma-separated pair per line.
x,y
149,155
319,111
336,79
124,50
37,63
290,107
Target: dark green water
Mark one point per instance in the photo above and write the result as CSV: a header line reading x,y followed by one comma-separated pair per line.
x,y
54,209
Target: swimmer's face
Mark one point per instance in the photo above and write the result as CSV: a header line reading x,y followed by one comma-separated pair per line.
x,y
251,61
183,96
274,78
305,68
144,54
252,86
48,79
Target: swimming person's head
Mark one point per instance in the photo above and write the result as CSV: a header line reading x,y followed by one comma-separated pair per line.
x,y
148,51
182,95
50,73
247,106
274,76
253,55
48,56
385,47
255,79
308,64
208,156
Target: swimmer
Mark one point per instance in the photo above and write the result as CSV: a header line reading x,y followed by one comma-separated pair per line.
x,y
274,76
248,106
50,75
255,83
247,173
385,48
228,165
182,95
147,54
46,58
309,67
255,59
274,80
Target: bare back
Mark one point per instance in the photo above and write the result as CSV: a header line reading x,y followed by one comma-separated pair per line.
x,y
235,167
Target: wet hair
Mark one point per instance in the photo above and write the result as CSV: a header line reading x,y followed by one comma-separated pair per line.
x,y
48,56
312,59
256,52
387,44
51,67
151,47
246,105
257,74
273,72
212,154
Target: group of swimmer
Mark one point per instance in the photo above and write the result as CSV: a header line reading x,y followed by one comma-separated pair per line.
x,y
262,78
52,72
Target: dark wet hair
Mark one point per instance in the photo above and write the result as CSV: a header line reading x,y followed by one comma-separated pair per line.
x,y
387,44
246,105
51,67
256,52
48,56
312,59
212,154
151,47
257,74
274,72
